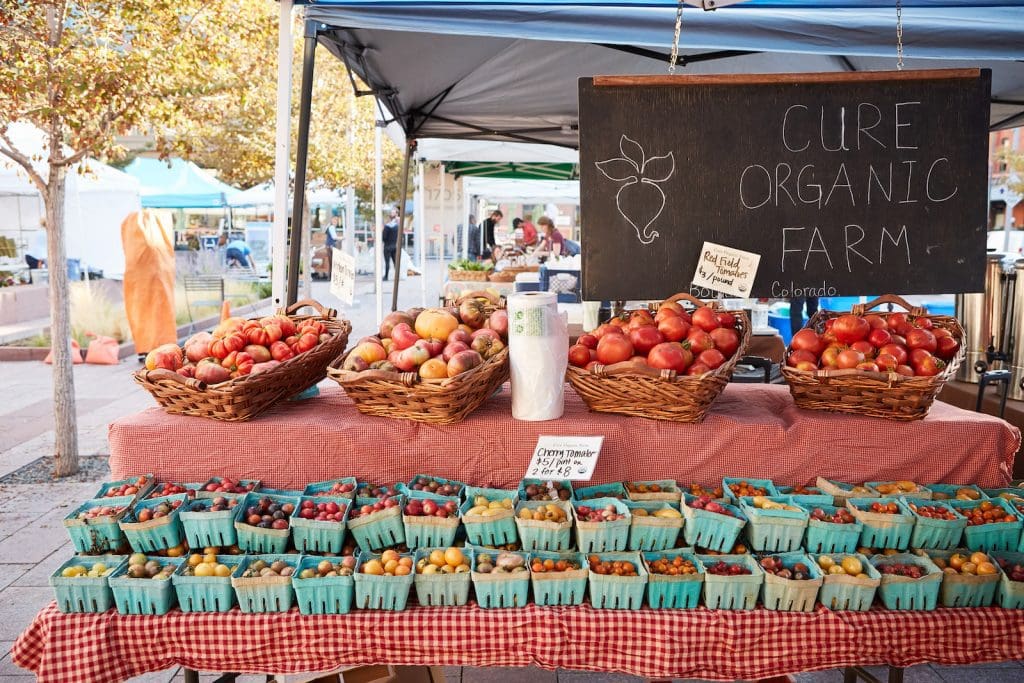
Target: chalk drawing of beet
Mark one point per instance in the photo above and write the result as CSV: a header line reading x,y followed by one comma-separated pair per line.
x,y
640,199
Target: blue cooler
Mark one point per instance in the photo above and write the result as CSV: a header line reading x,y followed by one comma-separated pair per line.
x,y
528,282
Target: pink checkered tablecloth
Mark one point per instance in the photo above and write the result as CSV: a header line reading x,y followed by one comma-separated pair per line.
x,y
698,643
752,430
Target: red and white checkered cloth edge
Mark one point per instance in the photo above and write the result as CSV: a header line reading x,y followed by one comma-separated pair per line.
x,y
698,643
750,431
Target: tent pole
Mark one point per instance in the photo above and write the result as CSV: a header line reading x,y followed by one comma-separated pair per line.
x,y
301,151
410,145
350,220
444,234
378,220
420,234
279,239
466,206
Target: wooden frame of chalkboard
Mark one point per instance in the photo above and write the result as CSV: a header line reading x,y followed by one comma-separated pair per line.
x,y
843,183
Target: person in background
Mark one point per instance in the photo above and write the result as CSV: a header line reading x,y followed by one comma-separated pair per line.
x,y
529,233
331,240
473,245
238,254
488,227
796,311
390,239
553,243
517,225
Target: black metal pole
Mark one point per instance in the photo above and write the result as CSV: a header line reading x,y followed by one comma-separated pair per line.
x,y
301,152
410,145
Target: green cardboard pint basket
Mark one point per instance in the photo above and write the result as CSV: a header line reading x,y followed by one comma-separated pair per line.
x,y
322,594
614,489
965,590
904,592
842,592
381,592
381,529
206,593
254,539
263,594
883,530
489,528
667,491
815,497
312,536
496,590
608,591
602,537
679,591
649,532
937,534
830,537
85,594
323,488
559,588
144,596
734,592
1011,593
774,530
766,484
156,534
139,494
99,534
429,531
206,529
790,595
249,484
537,535
993,536
711,530
442,589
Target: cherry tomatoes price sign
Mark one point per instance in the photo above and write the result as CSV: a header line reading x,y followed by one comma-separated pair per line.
x,y
565,457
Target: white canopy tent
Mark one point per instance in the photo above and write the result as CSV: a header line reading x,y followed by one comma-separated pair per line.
x,y
97,200
504,190
264,194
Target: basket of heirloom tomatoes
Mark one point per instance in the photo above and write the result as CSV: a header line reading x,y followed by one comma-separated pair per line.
x,y
668,362
888,365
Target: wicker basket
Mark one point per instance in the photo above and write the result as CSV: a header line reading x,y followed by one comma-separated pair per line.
x,y
468,275
244,398
875,394
407,396
638,390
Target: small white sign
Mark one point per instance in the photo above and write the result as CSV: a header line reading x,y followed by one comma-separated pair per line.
x,y
343,275
565,457
727,270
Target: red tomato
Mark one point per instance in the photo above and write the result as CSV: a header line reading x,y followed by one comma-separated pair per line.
x,y
281,351
705,318
905,370
727,340
868,366
665,312
305,341
727,319
588,340
645,338
238,361
606,328
579,355
807,366
887,361
614,348
897,323
865,347
946,347
929,367
829,324
849,359
807,340
899,340
830,356
879,336
639,319
896,351
712,358
697,369
674,328
923,322
670,356
262,333
312,326
673,307
941,332
700,340
233,341
590,365
921,339
801,356
876,321
918,355
850,328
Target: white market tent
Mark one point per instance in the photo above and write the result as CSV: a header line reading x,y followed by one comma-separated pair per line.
x,y
509,191
508,71
264,194
97,200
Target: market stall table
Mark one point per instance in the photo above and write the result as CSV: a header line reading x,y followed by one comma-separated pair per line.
x,y
752,430
669,643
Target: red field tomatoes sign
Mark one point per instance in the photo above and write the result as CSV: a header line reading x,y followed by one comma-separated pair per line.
x,y
844,184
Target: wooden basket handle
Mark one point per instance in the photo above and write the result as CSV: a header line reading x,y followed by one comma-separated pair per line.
x,y
631,368
321,310
161,374
479,294
685,296
406,378
861,309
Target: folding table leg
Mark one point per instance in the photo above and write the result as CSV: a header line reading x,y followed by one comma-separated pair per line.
x,y
895,674
191,676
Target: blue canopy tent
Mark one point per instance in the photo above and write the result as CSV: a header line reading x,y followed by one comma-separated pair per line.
x,y
182,185
494,70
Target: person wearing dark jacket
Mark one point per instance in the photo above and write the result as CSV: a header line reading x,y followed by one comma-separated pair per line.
x,y
390,239
488,231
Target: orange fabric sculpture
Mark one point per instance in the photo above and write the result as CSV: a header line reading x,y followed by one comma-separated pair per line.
x,y
149,280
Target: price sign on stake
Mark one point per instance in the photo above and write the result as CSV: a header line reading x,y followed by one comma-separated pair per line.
x,y
343,276
565,457
727,270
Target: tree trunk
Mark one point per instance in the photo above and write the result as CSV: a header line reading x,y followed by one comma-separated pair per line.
x,y
66,427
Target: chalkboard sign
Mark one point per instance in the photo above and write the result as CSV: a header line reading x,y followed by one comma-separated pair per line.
x,y
844,184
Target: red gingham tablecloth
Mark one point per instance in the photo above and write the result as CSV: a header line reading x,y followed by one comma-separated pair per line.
x,y
698,643
752,430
